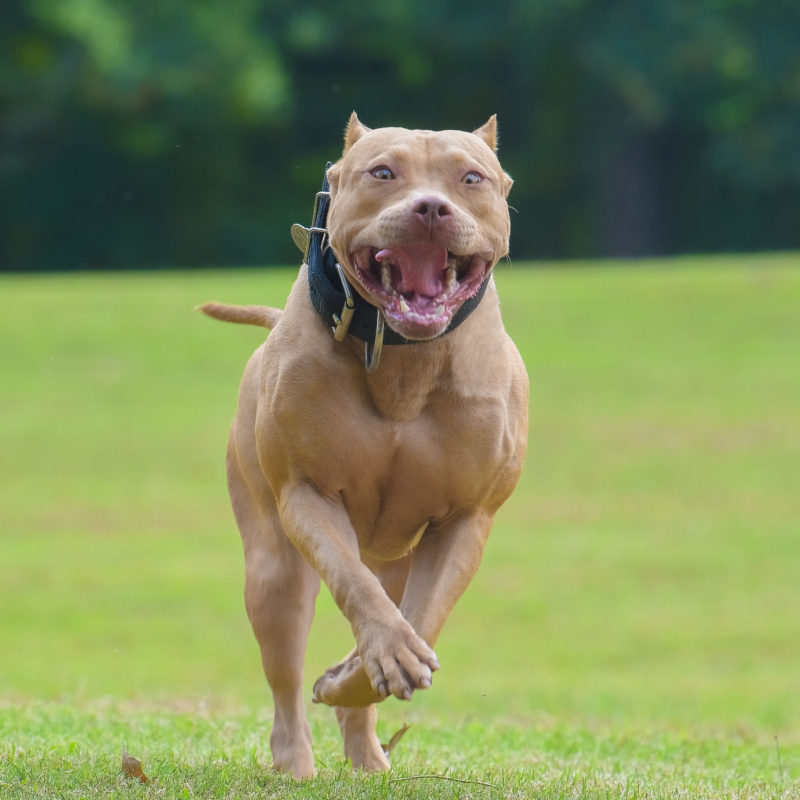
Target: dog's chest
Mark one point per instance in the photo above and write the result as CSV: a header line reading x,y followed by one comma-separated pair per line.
x,y
411,451
407,475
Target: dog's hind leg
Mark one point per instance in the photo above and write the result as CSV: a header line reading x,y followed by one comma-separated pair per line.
x,y
280,591
362,748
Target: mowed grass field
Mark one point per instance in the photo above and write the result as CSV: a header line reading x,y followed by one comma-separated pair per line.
x,y
634,630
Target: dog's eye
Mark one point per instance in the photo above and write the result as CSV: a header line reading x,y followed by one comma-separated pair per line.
x,y
382,173
471,178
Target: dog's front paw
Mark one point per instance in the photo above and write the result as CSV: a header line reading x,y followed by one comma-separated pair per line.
x,y
397,661
393,661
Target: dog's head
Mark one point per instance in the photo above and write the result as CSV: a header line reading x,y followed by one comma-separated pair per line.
x,y
418,219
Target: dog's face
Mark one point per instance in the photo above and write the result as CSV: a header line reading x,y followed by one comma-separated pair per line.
x,y
418,219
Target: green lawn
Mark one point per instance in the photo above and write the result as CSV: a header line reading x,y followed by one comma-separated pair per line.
x,y
634,630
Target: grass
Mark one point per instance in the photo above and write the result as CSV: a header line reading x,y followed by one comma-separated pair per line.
x,y
77,754
633,631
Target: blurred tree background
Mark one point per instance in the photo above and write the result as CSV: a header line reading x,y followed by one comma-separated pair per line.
x,y
154,134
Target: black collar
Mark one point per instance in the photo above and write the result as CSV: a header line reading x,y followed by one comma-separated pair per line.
x,y
334,298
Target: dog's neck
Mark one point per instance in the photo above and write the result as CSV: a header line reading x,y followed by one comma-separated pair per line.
x,y
412,379
406,382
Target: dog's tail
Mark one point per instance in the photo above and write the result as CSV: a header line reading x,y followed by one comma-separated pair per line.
x,y
263,316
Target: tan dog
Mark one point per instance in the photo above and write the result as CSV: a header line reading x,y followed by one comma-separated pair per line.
x,y
385,483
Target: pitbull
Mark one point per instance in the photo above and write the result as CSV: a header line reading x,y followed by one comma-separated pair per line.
x,y
373,454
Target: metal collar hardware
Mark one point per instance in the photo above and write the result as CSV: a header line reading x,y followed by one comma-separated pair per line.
x,y
313,243
372,352
341,321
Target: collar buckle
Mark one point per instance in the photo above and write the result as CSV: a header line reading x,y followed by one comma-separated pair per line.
x,y
342,320
301,235
341,326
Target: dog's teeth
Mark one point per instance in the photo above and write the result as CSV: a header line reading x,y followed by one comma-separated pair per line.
x,y
439,311
404,307
451,279
386,276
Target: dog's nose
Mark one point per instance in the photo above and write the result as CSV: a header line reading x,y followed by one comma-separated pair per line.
x,y
431,208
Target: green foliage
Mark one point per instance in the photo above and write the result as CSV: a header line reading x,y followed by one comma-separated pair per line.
x,y
194,133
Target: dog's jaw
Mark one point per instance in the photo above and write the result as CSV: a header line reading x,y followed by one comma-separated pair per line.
x,y
419,287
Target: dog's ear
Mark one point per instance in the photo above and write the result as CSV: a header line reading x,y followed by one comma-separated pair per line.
x,y
355,130
333,177
488,132
507,184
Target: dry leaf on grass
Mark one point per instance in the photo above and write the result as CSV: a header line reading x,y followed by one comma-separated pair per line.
x,y
387,748
132,767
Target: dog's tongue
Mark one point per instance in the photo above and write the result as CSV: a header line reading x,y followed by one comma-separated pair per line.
x,y
417,269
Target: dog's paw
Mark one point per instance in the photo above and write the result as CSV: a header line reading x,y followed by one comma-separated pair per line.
x,y
291,750
345,685
394,661
397,661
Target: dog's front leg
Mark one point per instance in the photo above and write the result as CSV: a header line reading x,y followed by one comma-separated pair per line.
x,y
394,657
442,565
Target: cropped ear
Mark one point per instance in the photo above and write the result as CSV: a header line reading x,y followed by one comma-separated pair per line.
x,y
488,132
355,130
333,177
507,184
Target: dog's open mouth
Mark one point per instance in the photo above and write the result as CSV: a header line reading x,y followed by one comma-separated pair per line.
x,y
419,287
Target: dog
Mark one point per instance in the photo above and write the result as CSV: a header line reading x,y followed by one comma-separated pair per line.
x,y
379,427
